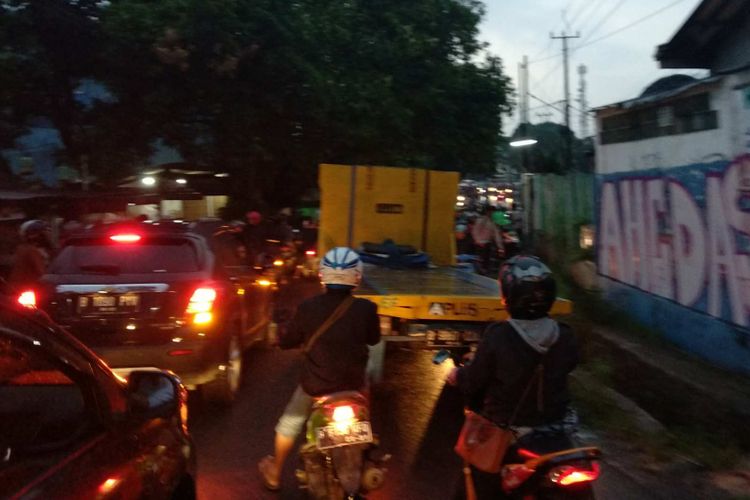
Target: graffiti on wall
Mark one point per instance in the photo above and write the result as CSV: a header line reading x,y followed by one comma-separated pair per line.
x,y
681,233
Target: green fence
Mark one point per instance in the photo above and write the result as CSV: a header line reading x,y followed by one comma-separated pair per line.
x,y
556,206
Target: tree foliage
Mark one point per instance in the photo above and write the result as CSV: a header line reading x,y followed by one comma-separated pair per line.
x,y
267,90
548,155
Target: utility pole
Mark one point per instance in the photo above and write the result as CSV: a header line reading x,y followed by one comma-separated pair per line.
x,y
523,90
584,123
566,84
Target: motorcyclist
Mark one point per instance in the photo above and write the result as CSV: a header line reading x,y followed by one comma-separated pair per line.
x,y
509,355
487,238
254,235
335,361
32,254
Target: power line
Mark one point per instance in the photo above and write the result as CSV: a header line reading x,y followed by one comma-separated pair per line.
x,y
549,104
603,20
591,13
549,73
586,5
630,25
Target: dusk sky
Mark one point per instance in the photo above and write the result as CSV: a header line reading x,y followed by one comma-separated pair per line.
x,y
620,66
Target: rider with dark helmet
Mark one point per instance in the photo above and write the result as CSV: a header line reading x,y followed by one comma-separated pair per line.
x,y
510,354
32,254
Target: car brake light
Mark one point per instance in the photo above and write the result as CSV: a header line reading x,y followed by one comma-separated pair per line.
x,y
125,238
27,299
201,305
568,475
311,253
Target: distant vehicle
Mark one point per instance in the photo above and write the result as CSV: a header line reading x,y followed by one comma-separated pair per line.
x,y
70,428
157,295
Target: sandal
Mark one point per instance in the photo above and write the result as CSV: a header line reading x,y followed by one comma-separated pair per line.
x,y
265,467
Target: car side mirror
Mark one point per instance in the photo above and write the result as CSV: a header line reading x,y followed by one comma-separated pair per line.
x,y
153,394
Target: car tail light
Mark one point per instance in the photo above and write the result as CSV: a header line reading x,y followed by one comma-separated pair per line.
x,y
27,298
569,475
125,238
311,253
201,305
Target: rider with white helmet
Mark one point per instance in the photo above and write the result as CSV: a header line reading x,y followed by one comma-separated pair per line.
x,y
334,329
341,268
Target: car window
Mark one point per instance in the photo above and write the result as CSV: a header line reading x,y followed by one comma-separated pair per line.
x,y
154,256
40,404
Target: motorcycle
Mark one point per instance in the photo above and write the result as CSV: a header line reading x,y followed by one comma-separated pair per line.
x,y
341,456
308,261
544,462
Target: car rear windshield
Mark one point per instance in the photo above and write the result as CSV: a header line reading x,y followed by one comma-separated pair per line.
x,y
149,256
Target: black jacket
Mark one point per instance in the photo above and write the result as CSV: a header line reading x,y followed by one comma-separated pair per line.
x,y
338,359
502,368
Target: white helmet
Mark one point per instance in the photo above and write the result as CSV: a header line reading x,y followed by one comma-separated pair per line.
x,y
341,267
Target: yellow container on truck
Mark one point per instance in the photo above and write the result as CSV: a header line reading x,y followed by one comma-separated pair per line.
x,y
411,207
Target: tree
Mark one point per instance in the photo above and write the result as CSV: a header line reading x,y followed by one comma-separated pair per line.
x,y
263,89
49,48
548,154
267,90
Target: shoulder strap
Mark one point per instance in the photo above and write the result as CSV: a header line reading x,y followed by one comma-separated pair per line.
x,y
538,373
337,313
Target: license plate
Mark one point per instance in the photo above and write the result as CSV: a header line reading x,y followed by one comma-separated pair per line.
x,y
99,303
333,436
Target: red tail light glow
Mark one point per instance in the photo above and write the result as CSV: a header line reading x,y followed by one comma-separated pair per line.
x,y
27,299
125,238
527,454
311,253
568,475
201,305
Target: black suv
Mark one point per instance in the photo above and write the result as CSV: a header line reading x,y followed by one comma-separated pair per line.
x,y
156,295
70,428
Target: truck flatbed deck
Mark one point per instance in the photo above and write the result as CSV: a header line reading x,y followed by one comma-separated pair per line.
x,y
438,293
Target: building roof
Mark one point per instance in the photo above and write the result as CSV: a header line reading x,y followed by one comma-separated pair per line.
x,y
695,43
650,98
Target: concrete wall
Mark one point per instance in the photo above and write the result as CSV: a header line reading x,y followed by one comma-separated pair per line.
x,y
673,230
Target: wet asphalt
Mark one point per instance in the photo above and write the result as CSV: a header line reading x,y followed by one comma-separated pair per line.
x,y
416,417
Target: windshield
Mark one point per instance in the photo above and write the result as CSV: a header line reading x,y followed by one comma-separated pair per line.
x,y
166,256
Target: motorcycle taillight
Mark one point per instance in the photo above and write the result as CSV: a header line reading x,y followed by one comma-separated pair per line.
x,y
28,299
570,475
342,414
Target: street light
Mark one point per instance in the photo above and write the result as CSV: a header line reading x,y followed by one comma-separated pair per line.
x,y
522,142
148,181
181,181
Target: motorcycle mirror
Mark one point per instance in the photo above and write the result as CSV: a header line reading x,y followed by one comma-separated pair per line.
x,y
441,356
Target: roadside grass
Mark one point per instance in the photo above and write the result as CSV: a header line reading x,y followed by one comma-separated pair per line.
x,y
599,411
713,448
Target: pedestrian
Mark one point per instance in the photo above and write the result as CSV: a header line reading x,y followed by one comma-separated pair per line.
x,y
528,355
32,254
336,353
487,238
